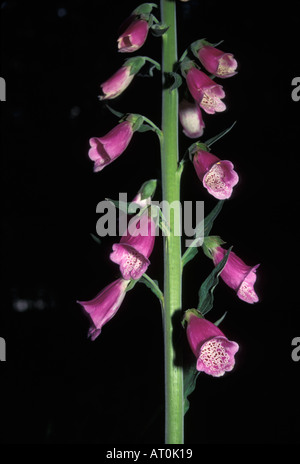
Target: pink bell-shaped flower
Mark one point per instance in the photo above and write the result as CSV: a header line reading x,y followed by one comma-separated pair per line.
x,y
106,149
237,275
104,306
135,247
217,176
117,83
191,119
205,91
214,352
134,36
217,62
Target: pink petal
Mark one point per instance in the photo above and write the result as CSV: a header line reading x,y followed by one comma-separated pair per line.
x,y
132,263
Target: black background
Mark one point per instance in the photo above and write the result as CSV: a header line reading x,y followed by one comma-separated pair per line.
x,y
58,387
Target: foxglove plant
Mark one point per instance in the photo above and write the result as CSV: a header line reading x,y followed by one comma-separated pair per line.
x,y
208,350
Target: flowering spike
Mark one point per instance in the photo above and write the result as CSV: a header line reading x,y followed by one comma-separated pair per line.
x,y
205,91
214,352
191,119
106,149
104,306
217,176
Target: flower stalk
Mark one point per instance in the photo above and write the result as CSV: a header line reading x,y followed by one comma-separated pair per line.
x,y
174,403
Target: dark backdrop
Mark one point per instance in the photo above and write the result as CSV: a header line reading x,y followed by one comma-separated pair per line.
x,y
56,385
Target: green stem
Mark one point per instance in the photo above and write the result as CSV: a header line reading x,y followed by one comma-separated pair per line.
x,y
174,404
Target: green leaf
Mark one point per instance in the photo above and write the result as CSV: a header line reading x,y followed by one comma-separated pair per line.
x,y
210,218
96,239
212,140
153,285
189,255
192,250
144,8
121,205
190,375
177,80
138,123
159,29
135,63
218,322
131,285
196,146
145,128
116,113
195,46
206,297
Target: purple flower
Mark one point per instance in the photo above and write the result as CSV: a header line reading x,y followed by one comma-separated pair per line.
x,y
106,149
217,176
134,36
217,62
117,83
205,91
104,306
191,119
214,352
135,247
237,275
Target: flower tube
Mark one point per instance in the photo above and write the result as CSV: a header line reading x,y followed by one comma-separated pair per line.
x,y
104,150
104,306
218,176
215,61
135,247
214,352
237,275
116,84
205,91
134,36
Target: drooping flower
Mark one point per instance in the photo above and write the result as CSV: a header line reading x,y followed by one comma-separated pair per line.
x,y
237,275
106,149
217,62
116,84
191,119
205,91
134,36
214,352
135,247
119,81
104,306
217,176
